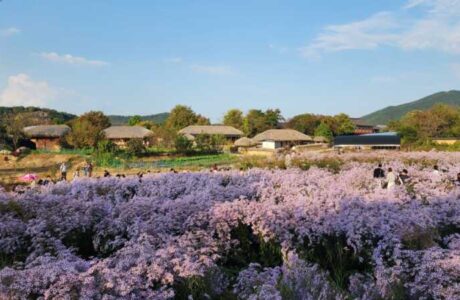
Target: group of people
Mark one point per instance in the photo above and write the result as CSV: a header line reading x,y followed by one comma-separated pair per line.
x,y
390,179
87,170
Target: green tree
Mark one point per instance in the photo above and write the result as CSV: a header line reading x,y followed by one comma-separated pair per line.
x,y
439,121
134,120
87,130
3,137
182,144
234,117
340,124
323,130
135,147
305,123
209,143
273,117
182,116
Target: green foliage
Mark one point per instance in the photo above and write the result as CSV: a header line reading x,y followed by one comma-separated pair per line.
x,y
306,123
182,144
155,119
257,121
134,120
206,143
334,255
234,118
201,288
35,114
417,128
331,164
251,248
390,113
87,130
106,154
182,116
343,125
106,146
323,130
135,147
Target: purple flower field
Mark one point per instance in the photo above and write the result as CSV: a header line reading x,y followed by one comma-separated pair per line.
x,y
259,234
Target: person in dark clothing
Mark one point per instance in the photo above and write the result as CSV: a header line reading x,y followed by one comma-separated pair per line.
x,y
106,173
379,172
404,176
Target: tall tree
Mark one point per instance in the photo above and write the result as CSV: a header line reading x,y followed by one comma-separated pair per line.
x,y
305,123
323,130
234,117
182,116
134,120
87,129
254,122
273,117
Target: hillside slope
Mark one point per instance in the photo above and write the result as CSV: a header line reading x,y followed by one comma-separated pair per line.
x,y
390,113
35,115
156,118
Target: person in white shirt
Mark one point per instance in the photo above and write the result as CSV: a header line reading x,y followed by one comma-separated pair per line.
x,y
63,169
391,179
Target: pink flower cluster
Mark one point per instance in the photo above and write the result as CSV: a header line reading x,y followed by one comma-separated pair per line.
x,y
176,235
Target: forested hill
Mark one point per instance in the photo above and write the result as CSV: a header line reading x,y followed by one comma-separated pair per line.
x,y
35,114
156,118
390,113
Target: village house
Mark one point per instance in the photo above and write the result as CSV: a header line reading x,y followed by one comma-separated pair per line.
x,y
46,137
281,138
120,135
362,127
231,134
386,140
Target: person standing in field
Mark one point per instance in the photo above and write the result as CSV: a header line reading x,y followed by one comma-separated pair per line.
x,y
379,172
90,169
63,170
391,179
404,176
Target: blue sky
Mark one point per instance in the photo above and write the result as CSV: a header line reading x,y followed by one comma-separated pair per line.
x,y
143,57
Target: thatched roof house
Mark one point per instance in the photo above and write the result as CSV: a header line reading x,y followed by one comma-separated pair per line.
x,y
228,132
122,134
126,132
47,137
46,131
282,135
277,138
245,142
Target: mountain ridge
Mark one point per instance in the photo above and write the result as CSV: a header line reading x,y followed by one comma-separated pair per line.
x,y
395,112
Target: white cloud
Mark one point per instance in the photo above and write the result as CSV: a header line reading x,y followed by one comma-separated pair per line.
x,y
9,31
438,28
72,60
22,90
212,70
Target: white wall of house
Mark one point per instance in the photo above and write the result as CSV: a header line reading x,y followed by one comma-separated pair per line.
x,y
270,145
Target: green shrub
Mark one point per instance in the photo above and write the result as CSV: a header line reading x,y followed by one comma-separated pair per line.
x,y
135,147
334,255
183,145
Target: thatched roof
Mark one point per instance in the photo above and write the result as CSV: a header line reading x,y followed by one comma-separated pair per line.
x,y
46,131
211,130
126,132
282,135
320,139
244,142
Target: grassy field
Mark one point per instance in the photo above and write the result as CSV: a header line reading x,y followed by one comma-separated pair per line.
x,y
46,163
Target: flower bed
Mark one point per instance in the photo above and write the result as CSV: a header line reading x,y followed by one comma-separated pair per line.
x,y
260,234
